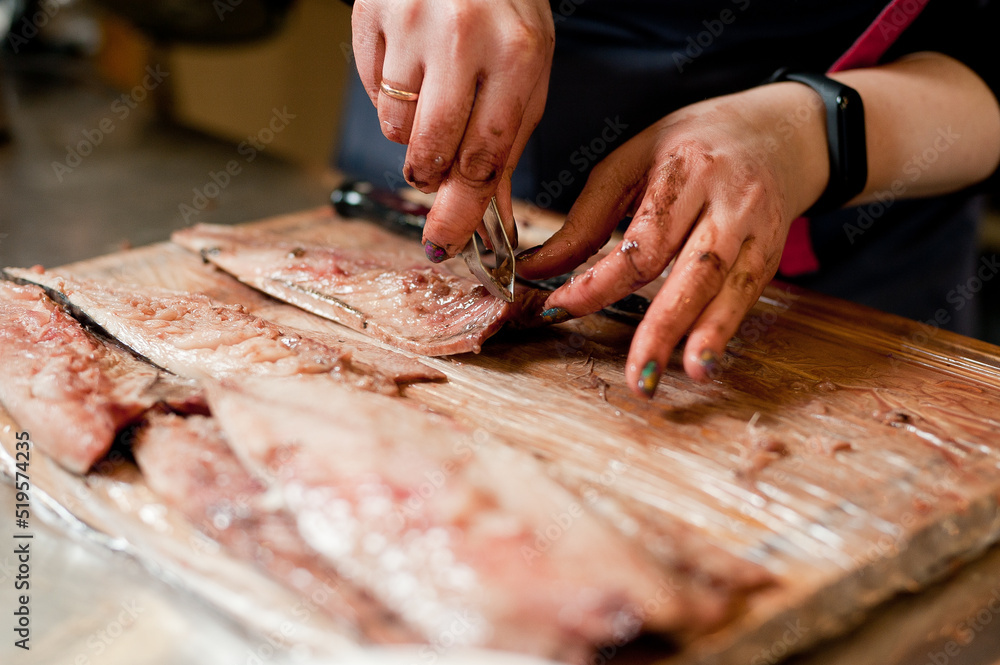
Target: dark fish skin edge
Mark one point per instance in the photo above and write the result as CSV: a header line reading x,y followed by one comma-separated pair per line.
x,y
81,316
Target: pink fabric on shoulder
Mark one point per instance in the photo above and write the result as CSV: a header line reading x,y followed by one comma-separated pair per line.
x,y
798,257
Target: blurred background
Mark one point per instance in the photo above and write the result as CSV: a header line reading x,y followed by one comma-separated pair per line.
x,y
121,121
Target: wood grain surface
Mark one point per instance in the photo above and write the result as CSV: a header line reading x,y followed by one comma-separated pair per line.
x,y
842,456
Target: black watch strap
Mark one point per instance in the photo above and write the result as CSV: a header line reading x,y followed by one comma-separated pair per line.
x,y
845,133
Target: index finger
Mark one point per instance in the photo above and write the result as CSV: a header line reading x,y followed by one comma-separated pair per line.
x,y
667,212
508,97
606,198
476,171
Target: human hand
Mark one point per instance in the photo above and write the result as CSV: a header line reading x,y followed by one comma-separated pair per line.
x,y
481,68
713,186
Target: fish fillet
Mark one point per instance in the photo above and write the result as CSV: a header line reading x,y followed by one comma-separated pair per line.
x,y
195,337
71,391
366,354
445,530
411,305
189,464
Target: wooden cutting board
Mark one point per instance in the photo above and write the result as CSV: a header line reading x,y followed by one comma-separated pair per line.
x,y
844,454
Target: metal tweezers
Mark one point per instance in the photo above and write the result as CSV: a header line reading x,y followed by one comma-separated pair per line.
x,y
498,280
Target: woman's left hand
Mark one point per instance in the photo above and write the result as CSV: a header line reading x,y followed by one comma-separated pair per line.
x,y
714,187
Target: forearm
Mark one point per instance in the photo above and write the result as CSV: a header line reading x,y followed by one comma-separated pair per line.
x,y
932,125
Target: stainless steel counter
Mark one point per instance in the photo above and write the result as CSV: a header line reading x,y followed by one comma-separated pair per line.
x,y
91,606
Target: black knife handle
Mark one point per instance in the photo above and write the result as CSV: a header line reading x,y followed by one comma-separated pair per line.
x,y
629,309
357,199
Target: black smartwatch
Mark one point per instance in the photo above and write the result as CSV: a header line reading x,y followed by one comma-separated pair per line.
x,y
845,135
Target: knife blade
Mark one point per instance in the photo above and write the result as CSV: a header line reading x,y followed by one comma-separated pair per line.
x,y
498,280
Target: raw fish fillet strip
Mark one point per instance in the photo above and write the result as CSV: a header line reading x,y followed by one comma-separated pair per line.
x,y
68,389
189,464
195,337
411,305
439,527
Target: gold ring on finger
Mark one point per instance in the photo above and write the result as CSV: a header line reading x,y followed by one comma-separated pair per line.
x,y
396,93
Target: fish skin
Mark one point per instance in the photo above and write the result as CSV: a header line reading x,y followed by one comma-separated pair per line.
x,y
439,526
71,391
388,295
188,463
195,337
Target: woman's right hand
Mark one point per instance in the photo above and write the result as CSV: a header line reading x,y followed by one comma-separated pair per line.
x,y
481,69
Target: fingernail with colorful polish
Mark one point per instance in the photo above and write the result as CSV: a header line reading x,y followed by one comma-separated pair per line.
x,y
528,253
709,361
649,378
434,253
556,315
